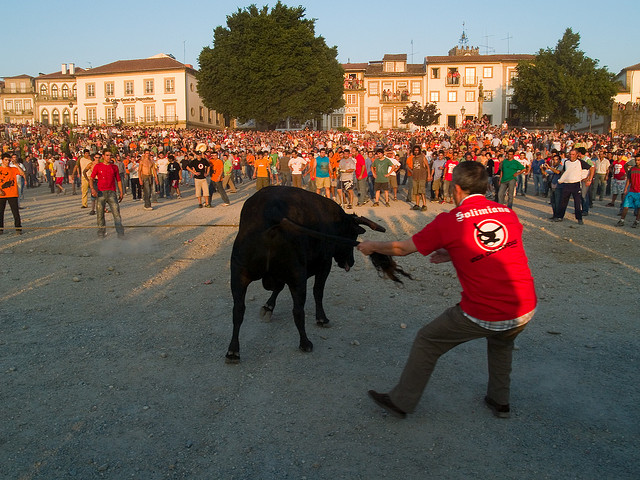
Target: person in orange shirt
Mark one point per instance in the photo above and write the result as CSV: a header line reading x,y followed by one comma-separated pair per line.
x,y
251,159
9,192
217,169
262,173
334,165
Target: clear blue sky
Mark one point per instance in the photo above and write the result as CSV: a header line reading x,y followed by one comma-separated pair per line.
x,y
39,35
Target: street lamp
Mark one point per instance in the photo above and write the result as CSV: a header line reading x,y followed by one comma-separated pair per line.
x,y
462,111
114,102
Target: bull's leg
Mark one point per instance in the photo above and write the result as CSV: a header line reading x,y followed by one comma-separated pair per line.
x,y
299,294
318,294
239,284
267,309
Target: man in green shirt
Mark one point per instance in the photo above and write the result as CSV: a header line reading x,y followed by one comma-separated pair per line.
x,y
510,168
381,169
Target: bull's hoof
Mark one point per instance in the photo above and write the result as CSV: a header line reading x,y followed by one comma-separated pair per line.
x,y
266,313
306,347
232,358
323,322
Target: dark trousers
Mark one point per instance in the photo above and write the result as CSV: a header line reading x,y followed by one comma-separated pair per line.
x,y
450,329
13,204
570,190
135,188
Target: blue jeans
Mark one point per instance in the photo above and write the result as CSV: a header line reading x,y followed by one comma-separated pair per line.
x,y
539,184
162,185
109,196
507,188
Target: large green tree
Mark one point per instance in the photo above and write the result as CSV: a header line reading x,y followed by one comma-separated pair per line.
x,y
560,82
269,65
420,116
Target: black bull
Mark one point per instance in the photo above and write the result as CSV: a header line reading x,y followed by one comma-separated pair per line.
x,y
287,235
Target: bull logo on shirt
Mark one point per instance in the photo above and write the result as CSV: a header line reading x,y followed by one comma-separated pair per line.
x,y
490,235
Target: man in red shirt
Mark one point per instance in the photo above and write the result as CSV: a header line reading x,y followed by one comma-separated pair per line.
x,y
450,164
107,175
483,240
632,190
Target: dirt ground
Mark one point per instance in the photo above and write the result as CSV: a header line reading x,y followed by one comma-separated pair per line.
x,y
112,356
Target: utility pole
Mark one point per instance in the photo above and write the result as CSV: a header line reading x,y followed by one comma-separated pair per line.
x,y
509,37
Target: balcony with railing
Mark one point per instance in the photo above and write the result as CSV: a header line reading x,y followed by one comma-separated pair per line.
x,y
452,79
353,84
395,97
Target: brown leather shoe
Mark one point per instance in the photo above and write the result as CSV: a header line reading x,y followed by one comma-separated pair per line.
x,y
383,400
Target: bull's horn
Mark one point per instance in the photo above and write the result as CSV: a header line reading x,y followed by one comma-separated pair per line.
x,y
370,223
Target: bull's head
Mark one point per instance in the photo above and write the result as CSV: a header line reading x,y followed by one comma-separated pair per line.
x,y
343,253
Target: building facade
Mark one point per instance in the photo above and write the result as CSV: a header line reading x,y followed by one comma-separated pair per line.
x,y
18,99
57,96
463,84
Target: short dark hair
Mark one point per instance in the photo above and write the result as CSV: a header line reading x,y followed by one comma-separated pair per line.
x,y
471,177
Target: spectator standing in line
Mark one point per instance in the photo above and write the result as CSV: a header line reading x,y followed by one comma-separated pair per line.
x,y
108,190
381,168
345,186
437,169
420,172
618,178
297,166
538,176
86,173
361,177
59,172
601,176
134,180
83,163
510,169
632,196
321,168
227,176
262,171
174,176
163,180
199,168
217,171
147,173
447,176
575,171
9,192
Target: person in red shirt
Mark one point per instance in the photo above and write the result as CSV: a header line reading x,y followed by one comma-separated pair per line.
x,y
107,177
447,174
483,240
9,192
632,197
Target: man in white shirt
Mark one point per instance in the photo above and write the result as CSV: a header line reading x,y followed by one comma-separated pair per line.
x,y
575,170
298,166
601,175
163,163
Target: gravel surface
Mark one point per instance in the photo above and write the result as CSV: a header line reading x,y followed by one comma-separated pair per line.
x,y
112,356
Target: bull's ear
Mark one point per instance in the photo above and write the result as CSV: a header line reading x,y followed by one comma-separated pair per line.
x,y
369,223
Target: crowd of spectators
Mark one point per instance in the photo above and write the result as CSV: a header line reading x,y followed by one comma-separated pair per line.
x,y
51,156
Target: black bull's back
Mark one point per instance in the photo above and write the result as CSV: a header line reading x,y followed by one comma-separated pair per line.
x,y
287,235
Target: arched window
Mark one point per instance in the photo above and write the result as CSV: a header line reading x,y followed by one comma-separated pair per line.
x,y
74,90
43,90
54,92
66,118
55,117
65,91
75,116
45,117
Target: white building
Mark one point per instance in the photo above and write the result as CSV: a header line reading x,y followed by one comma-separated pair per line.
x,y
375,93
57,95
153,91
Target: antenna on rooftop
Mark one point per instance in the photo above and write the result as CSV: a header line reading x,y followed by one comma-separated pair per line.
x,y
508,37
464,40
412,50
184,51
487,49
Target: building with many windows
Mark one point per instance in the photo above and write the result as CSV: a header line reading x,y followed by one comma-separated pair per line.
x,y
464,84
153,91
57,95
17,99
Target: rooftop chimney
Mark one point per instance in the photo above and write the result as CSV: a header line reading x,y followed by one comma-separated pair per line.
x,y
63,69
72,68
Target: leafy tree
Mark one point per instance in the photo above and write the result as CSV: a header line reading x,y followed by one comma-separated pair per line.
x,y
420,116
269,65
560,82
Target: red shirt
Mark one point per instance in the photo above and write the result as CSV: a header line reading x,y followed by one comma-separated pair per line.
x,y
448,169
484,240
107,176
